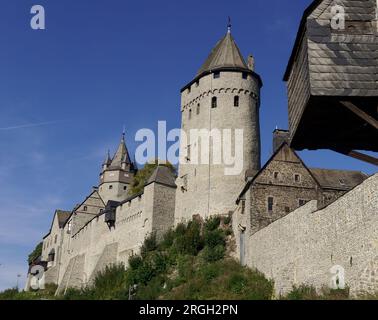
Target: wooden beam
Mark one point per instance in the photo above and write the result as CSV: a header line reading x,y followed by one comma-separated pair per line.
x,y
369,119
359,156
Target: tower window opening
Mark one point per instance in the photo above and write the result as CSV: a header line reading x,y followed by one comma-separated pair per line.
x,y
276,175
245,75
214,102
124,188
190,114
110,187
270,204
216,75
297,178
236,101
85,208
302,202
198,108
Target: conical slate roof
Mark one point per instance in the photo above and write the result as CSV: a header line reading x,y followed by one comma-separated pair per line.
x,y
121,155
225,54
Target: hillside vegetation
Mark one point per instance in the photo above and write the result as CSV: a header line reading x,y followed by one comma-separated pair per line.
x,y
189,262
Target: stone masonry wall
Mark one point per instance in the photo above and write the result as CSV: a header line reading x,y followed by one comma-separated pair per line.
x,y
96,245
301,247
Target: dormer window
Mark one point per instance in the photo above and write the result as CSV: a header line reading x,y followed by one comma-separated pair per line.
x,y
216,75
214,102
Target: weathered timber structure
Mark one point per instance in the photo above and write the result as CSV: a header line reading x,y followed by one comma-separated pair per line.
x,y
332,79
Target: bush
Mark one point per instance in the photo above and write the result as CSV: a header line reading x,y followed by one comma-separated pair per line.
x,y
214,238
212,254
191,241
302,292
149,245
135,262
212,223
227,220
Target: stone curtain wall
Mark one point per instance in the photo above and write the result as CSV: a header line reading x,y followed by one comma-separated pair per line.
x,y
95,246
301,247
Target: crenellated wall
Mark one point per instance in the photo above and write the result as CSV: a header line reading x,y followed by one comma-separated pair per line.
x,y
95,245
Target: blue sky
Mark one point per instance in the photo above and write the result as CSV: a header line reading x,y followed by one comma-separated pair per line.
x,y
67,91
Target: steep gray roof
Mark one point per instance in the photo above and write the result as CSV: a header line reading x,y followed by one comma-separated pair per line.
x,y
225,54
62,217
163,175
338,179
121,155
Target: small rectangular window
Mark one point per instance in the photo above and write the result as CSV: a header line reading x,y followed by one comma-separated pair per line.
x,y
85,208
243,206
236,101
214,102
190,114
110,187
270,204
297,178
245,75
198,108
276,174
216,75
124,188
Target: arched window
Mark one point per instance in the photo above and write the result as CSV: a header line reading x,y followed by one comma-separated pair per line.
x,y
214,102
190,114
236,101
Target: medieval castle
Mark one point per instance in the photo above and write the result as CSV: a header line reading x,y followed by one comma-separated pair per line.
x,y
290,221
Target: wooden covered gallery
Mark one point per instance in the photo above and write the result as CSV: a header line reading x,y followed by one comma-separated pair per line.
x,y
332,79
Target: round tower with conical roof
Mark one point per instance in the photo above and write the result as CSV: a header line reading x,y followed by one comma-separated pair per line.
x,y
224,95
117,174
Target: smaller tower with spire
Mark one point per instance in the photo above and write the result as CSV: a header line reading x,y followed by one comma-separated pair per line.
x,y
117,174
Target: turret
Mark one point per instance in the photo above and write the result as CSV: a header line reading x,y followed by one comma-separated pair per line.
x,y
224,95
117,174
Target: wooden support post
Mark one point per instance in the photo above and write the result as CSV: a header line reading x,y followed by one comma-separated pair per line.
x,y
359,156
363,115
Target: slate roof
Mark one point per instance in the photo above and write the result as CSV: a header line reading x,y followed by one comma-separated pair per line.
x,y
225,54
121,155
62,217
338,179
163,175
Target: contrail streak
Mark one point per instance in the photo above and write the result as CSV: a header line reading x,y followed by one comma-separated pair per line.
x,y
29,125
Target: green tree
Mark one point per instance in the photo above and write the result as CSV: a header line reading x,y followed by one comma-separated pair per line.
x,y
36,253
144,174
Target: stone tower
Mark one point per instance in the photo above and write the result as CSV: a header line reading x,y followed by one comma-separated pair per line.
x,y
225,94
117,174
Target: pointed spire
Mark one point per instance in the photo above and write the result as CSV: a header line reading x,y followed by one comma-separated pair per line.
x,y
122,155
107,160
229,25
225,54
